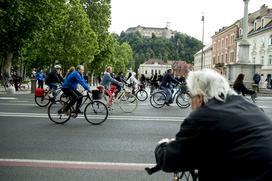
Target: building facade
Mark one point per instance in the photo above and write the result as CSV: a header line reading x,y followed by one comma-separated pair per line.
x,y
260,39
148,32
224,47
153,66
207,58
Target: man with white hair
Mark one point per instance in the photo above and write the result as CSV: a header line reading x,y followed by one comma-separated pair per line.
x,y
225,137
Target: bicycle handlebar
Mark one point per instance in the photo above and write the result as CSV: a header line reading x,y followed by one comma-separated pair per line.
x,y
152,170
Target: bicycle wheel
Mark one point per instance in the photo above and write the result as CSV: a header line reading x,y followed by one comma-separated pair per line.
x,y
96,112
42,101
183,100
157,99
141,95
56,114
128,102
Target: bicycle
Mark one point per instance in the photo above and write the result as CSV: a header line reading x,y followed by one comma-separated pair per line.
x,y
95,112
181,94
127,101
46,97
191,175
141,93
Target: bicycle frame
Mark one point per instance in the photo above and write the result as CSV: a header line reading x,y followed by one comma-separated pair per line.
x,y
178,90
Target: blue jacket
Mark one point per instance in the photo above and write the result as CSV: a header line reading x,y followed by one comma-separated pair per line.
x,y
107,80
73,80
40,76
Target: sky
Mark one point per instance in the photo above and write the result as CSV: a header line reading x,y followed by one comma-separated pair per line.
x,y
184,15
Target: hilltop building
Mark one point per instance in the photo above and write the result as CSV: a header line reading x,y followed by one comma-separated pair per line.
x,y
148,32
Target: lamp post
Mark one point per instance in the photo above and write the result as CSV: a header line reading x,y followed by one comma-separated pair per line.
x,y
202,19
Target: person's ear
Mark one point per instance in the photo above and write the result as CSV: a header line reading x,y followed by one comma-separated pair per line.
x,y
200,100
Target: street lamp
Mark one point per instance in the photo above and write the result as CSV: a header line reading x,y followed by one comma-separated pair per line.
x,y
202,19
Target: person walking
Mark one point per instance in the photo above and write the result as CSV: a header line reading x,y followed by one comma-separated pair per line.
x,y
257,79
269,81
40,77
225,137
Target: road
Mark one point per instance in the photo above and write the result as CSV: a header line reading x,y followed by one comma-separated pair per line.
x,y
34,148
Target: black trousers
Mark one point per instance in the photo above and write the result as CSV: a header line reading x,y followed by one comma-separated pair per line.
x,y
40,84
75,96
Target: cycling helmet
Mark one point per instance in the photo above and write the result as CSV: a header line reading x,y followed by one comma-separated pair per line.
x,y
57,67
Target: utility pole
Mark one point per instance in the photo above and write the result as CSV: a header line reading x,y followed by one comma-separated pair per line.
x,y
202,19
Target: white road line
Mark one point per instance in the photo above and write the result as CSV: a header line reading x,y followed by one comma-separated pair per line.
x,y
111,117
74,164
7,98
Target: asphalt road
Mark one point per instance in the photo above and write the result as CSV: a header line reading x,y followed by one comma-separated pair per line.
x,y
34,148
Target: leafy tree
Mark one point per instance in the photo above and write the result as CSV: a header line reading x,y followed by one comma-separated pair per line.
x,y
179,47
18,19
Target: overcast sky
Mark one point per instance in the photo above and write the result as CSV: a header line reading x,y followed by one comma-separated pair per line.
x,y
184,15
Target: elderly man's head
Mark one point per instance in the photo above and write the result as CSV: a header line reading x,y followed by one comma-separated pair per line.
x,y
80,69
207,84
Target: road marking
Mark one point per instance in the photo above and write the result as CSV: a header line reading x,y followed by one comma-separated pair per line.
x,y
74,164
111,117
7,98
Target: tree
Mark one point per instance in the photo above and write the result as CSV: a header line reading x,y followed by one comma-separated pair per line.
x,y
18,19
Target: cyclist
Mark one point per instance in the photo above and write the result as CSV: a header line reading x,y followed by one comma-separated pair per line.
x,y
132,81
225,137
240,88
106,82
69,87
53,79
167,86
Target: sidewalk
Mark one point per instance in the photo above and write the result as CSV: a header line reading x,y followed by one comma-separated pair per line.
x,y
3,91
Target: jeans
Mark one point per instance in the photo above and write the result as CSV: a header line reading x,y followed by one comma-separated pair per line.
x,y
168,93
53,87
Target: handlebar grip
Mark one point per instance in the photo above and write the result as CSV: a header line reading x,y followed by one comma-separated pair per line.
x,y
152,170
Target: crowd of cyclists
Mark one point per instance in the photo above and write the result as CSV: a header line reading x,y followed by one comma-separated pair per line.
x,y
74,76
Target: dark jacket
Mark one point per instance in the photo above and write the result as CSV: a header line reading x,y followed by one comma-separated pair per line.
x,y
167,79
53,77
229,141
241,89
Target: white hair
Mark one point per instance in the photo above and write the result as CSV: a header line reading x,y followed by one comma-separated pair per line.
x,y
210,84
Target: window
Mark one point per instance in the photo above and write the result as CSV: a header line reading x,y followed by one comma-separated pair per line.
x,y
222,44
222,58
262,60
227,43
231,56
146,72
227,58
270,40
240,32
270,59
262,25
152,71
159,71
255,26
254,60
